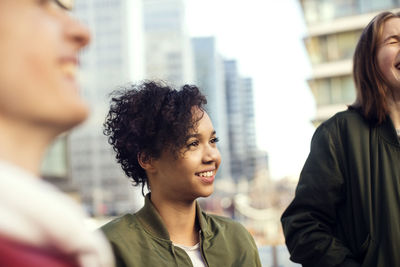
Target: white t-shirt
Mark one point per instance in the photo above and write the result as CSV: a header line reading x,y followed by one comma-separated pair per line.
x,y
194,254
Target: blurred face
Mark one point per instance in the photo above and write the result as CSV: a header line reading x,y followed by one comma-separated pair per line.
x,y
388,55
192,174
39,45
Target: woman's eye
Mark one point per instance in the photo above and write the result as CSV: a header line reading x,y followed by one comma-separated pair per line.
x,y
393,41
193,144
214,140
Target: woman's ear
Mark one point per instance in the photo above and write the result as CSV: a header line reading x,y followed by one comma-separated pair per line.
x,y
145,161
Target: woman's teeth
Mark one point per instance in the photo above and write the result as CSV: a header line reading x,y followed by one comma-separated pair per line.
x,y
69,69
206,174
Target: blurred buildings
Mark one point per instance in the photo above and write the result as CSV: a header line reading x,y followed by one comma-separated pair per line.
x,y
253,158
55,167
113,58
209,73
167,42
137,39
334,27
241,128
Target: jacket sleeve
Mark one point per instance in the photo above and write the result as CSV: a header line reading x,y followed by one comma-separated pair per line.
x,y
255,261
119,260
309,220
242,248
247,253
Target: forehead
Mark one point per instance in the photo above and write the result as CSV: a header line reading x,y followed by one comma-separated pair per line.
x,y
391,27
204,123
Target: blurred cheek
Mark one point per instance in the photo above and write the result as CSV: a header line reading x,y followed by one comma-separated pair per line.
x,y
384,63
25,65
31,81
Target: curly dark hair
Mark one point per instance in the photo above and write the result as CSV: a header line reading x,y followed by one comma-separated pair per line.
x,y
148,118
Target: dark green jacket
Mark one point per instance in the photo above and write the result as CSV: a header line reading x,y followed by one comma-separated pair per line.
x,y
346,211
142,240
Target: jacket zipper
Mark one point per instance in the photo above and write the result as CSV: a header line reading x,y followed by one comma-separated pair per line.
x,y
175,257
173,253
202,251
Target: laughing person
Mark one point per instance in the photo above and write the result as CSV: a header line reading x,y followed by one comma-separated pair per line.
x,y
346,211
165,141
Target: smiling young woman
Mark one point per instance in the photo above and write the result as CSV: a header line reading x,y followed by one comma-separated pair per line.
x,y
346,211
165,140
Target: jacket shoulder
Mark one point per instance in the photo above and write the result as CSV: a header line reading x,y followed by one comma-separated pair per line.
x,y
345,119
118,226
345,125
233,240
226,226
221,221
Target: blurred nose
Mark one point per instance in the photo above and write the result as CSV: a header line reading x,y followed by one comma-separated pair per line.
x,y
77,32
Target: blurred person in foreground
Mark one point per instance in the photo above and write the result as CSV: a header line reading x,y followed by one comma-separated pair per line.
x,y
346,211
165,140
40,226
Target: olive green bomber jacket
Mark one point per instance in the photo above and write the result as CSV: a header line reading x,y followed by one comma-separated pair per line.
x,y
142,240
346,211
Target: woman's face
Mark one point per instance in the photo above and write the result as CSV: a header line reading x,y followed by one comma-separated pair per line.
x,y
192,174
39,45
388,55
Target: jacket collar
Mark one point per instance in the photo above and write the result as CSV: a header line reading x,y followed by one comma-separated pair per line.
x,y
153,223
388,132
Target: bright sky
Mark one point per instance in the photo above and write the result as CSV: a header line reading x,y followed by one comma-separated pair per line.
x,y
265,36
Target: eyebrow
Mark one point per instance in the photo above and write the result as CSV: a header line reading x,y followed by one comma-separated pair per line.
x,y
198,135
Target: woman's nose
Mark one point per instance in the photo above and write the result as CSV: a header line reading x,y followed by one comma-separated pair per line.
x,y
77,32
212,154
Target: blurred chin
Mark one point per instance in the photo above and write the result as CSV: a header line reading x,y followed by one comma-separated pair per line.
x,y
62,120
76,116
208,192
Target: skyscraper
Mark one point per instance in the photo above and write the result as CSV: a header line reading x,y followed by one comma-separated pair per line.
x,y
249,129
114,58
209,75
240,110
168,48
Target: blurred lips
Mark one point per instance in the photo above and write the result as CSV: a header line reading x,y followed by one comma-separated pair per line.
x,y
69,67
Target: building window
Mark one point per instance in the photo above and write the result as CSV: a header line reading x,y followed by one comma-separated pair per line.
x,y
317,11
55,161
333,47
335,90
373,5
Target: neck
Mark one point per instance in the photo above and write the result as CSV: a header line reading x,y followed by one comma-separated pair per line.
x,y
179,218
394,113
23,145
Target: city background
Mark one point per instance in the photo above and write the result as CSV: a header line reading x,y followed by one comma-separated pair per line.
x,y
272,71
